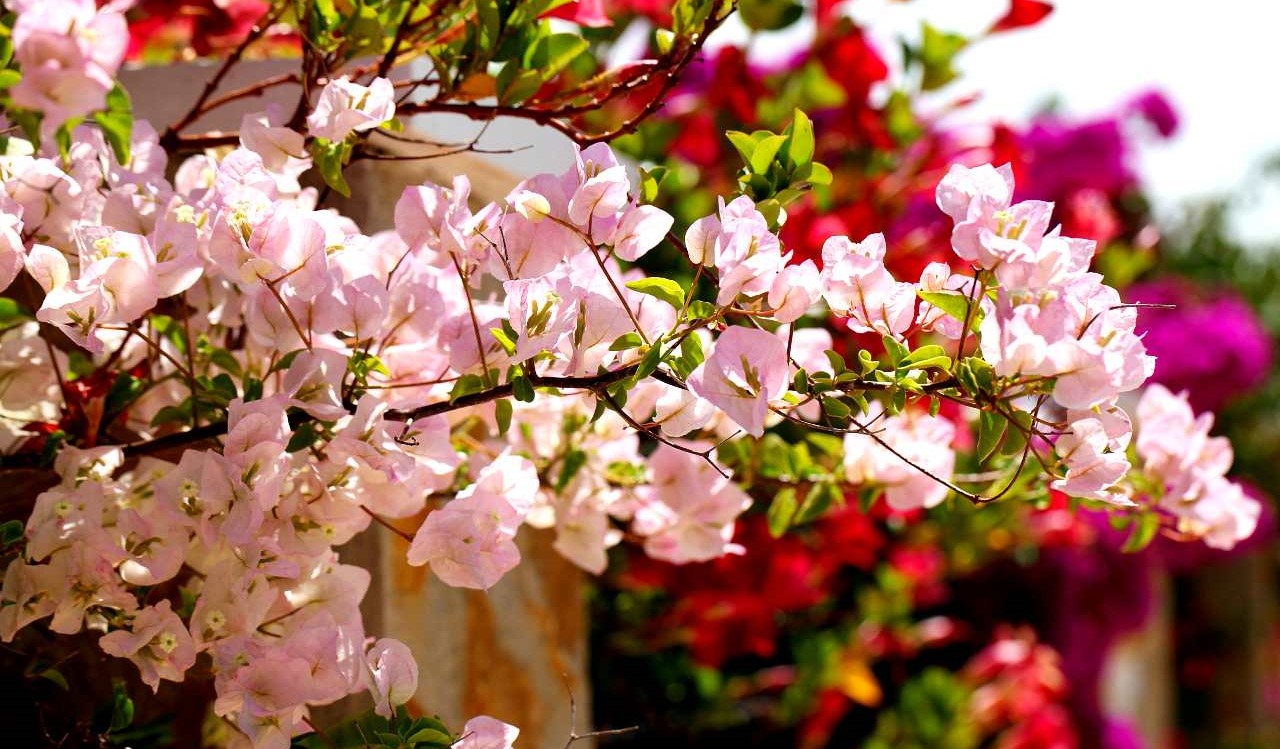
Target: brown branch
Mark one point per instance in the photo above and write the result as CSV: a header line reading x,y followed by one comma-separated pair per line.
x,y
168,140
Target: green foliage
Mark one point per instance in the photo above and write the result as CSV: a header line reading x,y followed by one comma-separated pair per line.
x,y
936,55
329,159
372,731
661,288
116,122
932,713
769,15
779,167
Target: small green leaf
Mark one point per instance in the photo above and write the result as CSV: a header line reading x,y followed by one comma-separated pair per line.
x,y
121,709
627,341
507,342
303,437
12,313
117,123
991,429
664,38
285,361
429,736
502,411
662,288
836,408
574,460
952,303
11,532
745,144
466,385
938,50
814,173
895,349
55,676
782,511
817,501
552,53
700,310
649,363
800,148
765,152
1143,533
330,158
522,388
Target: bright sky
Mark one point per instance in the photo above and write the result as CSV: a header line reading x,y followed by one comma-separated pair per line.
x,y
1213,59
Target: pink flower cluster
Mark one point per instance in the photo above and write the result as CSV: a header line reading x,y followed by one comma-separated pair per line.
x,y
1188,470
69,51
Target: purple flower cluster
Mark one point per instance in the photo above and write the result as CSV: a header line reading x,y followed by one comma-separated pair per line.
x,y
1212,344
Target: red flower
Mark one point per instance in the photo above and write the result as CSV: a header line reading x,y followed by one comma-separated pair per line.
x,y
725,625
584,13
849,537
698,141
1023,13
852,62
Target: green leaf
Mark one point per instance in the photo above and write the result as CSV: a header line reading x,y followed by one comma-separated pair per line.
x,y
12,313
121,709
925,357
285,361
1143,533
836,408
664,39
117,123
900,120
662,288
765,152
745,144
769,15
574,460
813,173
552,53
700,310
817,501
179,414
55,676
502,411
991,429
303,437
782,511
650,181
330,158
938,50
507,342
800,148
515,84
626,341
522,388
223,358
9,78
429,736
896,351
466,385
649,363
11,532
952,303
